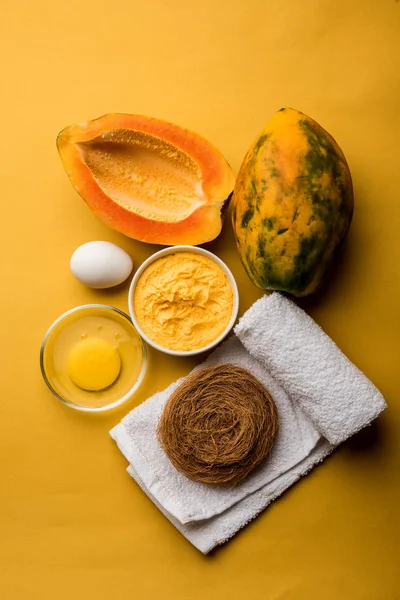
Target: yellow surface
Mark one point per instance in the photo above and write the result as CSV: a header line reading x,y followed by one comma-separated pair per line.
x,y
72,522
93,364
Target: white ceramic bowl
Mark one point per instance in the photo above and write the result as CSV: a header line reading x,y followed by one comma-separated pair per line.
x,y
174,250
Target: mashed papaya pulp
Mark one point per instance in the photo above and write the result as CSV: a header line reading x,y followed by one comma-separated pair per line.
x,y
183,301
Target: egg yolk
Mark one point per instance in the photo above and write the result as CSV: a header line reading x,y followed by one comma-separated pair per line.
x,y
94,364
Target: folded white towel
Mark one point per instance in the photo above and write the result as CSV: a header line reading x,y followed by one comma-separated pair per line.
x,y
322,398
188,500
337,396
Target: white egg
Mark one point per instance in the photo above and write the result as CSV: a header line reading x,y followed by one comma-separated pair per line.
x,y
100,264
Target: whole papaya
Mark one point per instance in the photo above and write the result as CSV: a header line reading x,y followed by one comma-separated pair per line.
x,y
292,204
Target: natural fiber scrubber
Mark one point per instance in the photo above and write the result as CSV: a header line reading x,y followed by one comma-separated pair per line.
x,y
218,425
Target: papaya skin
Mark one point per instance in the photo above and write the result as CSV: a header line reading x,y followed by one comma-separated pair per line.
x,y
292,205
202,171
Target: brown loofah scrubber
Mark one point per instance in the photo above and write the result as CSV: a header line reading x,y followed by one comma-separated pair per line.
x,y
218,425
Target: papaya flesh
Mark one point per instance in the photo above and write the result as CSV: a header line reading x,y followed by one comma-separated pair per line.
x,y
292,204
148,179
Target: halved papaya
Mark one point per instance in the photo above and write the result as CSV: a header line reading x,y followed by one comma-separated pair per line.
x,y
148,179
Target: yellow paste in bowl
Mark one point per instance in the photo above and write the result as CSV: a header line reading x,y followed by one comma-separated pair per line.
x,y
183,301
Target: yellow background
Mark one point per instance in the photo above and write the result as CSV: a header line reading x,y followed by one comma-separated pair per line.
x,y
72,522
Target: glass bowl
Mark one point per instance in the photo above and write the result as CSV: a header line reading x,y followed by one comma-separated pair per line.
x,y
93,321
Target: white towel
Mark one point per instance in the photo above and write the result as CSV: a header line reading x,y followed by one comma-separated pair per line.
x,y
331,391
322,399
188,500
